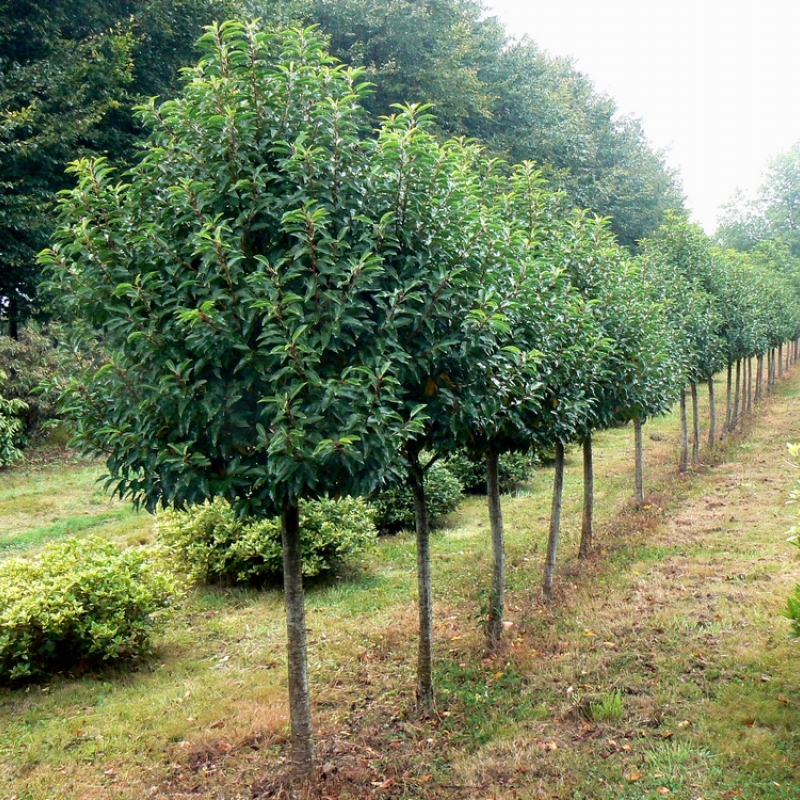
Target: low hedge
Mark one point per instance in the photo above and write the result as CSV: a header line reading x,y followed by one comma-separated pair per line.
x,y
214,545
394,506
513,470
79,603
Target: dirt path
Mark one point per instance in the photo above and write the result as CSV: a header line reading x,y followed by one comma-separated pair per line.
x,y
674,671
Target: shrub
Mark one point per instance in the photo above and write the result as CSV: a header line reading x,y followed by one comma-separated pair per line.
x,y
81,602
394,507
10,426
513,470
37,366
214,545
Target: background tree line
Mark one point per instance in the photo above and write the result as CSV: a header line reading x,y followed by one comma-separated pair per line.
x,y
72,73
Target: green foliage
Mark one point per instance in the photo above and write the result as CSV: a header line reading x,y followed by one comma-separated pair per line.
x,y
394,506
513,469
35,365
80,603
72,73
214,545
10,424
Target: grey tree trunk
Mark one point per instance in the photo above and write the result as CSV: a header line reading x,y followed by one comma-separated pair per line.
x,y
683,464
737,396
726,428
749,385
695,425
555,523
712,414
587,524
426,705
639,460
302,743
759,376
780,360
494,626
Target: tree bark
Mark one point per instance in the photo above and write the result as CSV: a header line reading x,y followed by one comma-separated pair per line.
x,y
737,395
426,704
726,428
639,460
587,524
683,464
780,360
759,376
302,744
494,626
695,425
555,523
712,414
749,385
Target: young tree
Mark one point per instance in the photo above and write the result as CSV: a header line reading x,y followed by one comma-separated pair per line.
x,y
254,282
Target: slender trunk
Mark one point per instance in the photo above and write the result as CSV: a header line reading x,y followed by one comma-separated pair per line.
x,y
749,385
788,357
780,360
771,369
695,425
683,464
587,526
555,523
494,626
13,317
426,705
737,396
759,375
712,414
302,744
639,460
728,401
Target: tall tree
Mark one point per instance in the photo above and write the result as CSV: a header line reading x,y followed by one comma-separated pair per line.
x,y
70,75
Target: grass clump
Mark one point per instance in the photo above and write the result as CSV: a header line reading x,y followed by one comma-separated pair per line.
x,y
79,603
215,545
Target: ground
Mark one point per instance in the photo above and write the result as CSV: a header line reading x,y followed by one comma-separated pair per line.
x,y
662,668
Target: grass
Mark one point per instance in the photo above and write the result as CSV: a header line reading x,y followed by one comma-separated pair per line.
x,y
663,668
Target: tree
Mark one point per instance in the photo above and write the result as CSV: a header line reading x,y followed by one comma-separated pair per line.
x,y
70,74
254,281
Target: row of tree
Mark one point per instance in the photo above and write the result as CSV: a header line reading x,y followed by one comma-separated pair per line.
x,y
292,307
72,74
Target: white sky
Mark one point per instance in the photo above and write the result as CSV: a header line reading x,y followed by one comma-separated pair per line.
x,y
716,83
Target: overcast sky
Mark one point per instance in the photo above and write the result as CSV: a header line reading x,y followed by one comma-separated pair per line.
x,y
717,83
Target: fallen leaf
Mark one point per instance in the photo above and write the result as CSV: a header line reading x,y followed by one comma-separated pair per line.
x,y
663,790
633,776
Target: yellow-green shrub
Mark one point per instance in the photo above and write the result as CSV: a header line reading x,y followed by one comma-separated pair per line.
x,y
214,545
79,603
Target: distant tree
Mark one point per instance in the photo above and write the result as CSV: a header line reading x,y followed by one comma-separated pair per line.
x,y
70,74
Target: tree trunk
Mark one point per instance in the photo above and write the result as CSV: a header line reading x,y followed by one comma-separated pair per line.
x,y
759,376
587,525
737,396
695,425
426,705
683,464
780,360
555,523
726,428
302,744
749,385
712,414
494,626
13,317
639,460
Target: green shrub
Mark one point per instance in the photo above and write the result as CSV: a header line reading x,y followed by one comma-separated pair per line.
x,y
214,545
10,426
394,506
79,603
513,469
36,366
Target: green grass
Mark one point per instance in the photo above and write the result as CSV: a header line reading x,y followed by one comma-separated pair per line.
x,y
663,665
